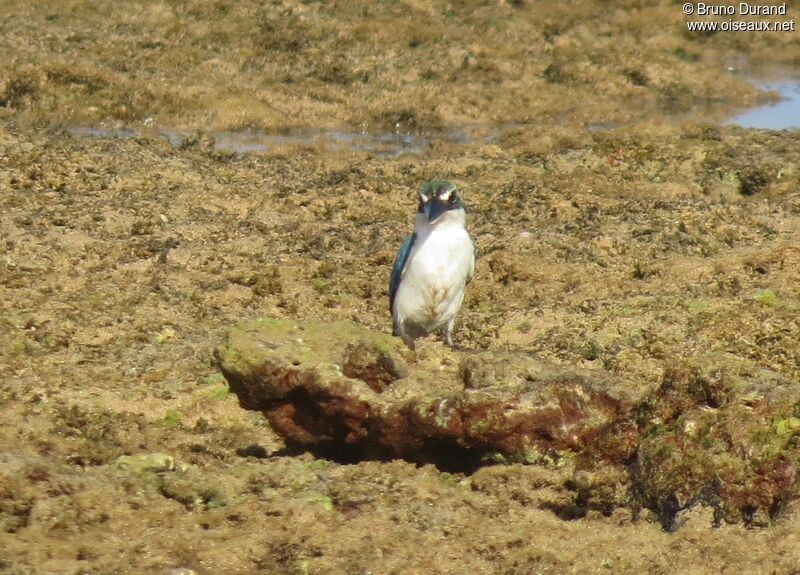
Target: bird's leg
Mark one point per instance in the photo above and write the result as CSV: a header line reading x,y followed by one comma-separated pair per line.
x,y
398,331
447,332
409,341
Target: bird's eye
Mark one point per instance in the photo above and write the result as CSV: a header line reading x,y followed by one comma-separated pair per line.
x,y
451,198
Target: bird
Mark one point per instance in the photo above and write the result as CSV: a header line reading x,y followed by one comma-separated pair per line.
x,y
433,266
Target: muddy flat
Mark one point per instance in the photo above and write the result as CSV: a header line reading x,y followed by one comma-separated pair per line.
x,y
170,169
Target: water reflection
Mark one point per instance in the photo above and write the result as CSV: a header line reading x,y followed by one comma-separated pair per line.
x,y
384,143
781,115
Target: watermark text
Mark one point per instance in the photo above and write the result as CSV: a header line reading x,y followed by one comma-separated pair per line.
x,y
751,17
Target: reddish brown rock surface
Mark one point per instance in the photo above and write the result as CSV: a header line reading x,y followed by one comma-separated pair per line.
x,y
349,392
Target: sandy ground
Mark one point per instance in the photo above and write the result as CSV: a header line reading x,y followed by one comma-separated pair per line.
x,y
124,261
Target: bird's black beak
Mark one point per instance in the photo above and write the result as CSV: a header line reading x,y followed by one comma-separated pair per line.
x,y
434,209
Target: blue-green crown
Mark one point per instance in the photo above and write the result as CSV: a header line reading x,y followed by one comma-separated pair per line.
x,y
439,189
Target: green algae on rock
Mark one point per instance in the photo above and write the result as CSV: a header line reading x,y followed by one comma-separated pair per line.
x,y
349,393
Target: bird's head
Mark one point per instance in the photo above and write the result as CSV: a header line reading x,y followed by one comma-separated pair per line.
x,y
438,197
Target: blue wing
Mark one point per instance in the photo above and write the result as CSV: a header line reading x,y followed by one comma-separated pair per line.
x,y
474,257
399,265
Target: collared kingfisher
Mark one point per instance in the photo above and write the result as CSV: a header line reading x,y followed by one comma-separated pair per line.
x,y
433,267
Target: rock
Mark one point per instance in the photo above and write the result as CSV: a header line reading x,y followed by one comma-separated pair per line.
x,y
703,443
701,439
156,462
349,393
705,438
372,365
192,488
16,502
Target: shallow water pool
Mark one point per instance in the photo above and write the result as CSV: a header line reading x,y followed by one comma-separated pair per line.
x,y
781,115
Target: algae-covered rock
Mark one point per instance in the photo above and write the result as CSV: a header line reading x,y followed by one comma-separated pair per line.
x,y
348,392
706,438
192,488
156,462
699,437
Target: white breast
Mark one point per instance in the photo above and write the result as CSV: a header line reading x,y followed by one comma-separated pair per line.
x,y
440,264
